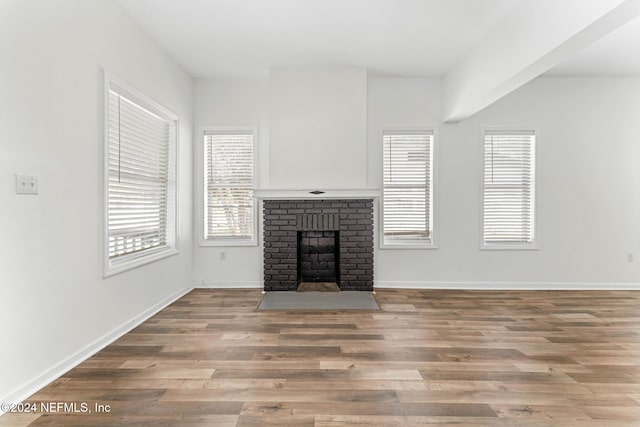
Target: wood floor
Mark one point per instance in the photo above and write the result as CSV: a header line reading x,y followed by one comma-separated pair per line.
x,y
463,358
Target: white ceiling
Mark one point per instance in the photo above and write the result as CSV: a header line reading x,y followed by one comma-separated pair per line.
x,y
414,38
244,38
616,54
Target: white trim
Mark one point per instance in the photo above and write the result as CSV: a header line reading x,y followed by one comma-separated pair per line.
x,y
435,205
305,194
130,264
201,186
519,286
406,246
228,285
32,386
535,244
228,243
506,247
111,268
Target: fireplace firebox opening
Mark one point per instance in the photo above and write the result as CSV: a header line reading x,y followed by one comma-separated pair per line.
x,y
318,256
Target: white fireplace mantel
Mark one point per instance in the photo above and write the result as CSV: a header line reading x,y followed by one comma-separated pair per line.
x,y
308,195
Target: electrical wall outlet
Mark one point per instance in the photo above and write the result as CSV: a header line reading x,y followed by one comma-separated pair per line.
x,y
629,257
26,184
223,256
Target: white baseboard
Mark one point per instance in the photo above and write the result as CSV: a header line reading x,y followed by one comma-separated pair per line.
x,y
32,386
449,285
200,284
521,286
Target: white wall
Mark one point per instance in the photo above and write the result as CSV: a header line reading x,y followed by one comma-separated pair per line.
x,y
588,183
317,130
588,190
230,103
54,300
311,134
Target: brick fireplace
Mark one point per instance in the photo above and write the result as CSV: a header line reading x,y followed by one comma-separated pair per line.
x,y
318,240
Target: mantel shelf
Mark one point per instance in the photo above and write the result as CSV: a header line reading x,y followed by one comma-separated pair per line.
x,y
310,195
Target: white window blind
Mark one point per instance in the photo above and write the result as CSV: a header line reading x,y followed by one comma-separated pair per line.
x,y
509,188
139,220
407,187
229,168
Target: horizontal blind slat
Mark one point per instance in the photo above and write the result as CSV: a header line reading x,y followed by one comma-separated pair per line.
x,y
509,181
407,193
138,176
229,185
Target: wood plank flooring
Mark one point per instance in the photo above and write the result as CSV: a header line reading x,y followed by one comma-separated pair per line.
x,y
463,358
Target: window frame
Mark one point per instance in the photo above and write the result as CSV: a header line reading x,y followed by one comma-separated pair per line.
x,y
202,180
137,259
534,244
416,130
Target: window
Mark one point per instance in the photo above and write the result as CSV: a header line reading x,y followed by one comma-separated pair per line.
x,y
407,205
508,217
140,170
229,214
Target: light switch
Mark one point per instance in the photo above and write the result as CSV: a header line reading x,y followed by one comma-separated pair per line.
x,y
26,184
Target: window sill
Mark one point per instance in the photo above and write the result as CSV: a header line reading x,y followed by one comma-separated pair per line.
x,y
414,246
531,247
228,243
113,268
